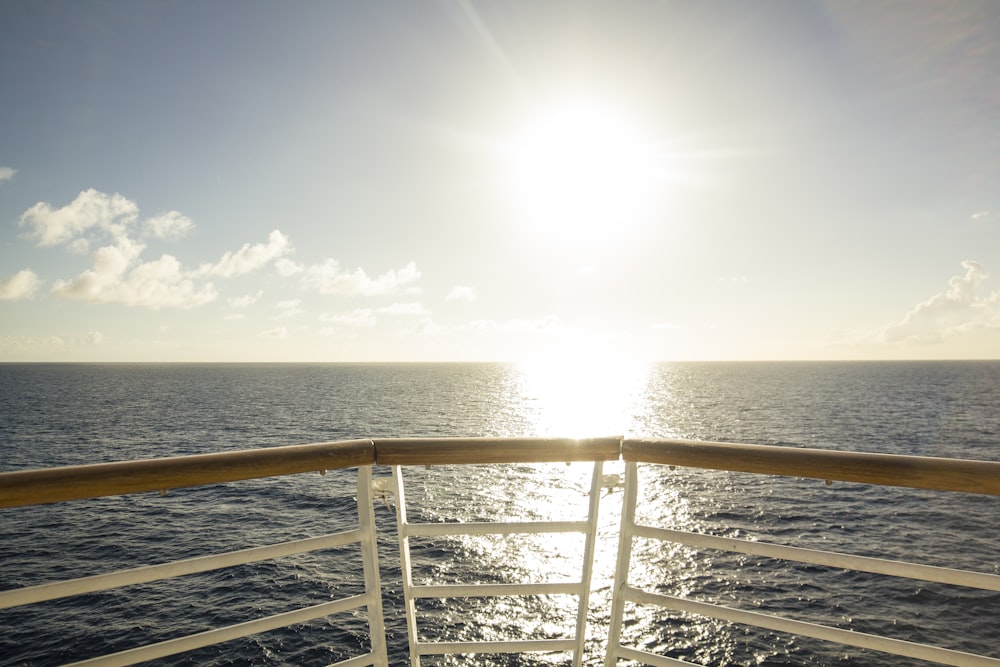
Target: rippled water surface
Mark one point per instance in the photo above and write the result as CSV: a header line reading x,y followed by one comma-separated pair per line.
x,y
52,414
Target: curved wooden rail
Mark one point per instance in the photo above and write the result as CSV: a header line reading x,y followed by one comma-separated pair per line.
x,y
34,487
49,485
921,472
443,451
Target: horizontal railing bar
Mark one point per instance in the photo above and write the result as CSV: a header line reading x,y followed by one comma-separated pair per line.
x,y
502,528
366,660
922,472
219,635
445,451
943,575
523,646
649,658
495,590
816,631
34,487
148,573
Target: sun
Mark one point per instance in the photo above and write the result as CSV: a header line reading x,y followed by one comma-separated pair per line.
x,y
581,172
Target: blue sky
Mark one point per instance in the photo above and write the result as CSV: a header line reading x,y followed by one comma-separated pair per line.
x,y
336,181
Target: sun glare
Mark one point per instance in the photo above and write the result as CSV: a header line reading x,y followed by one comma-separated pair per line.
x,y
581,172
570,396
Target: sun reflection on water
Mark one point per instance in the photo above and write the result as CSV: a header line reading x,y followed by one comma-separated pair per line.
x,y
573,397
563,397
549,492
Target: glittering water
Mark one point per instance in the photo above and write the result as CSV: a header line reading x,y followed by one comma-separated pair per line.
x,y
70,414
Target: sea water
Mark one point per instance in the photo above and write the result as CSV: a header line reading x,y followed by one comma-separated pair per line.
x,y
65,414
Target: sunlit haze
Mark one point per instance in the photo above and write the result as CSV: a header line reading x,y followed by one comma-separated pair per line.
x,y
526,181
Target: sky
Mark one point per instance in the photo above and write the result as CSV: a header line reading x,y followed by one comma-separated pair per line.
x,y
459,180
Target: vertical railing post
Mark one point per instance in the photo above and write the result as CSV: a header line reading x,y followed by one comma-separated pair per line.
x,y
626,534
369,558
588,563
405,565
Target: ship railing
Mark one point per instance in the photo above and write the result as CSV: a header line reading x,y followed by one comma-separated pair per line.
x,y
425,452
914,472
77,482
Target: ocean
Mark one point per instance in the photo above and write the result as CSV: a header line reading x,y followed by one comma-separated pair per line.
x,y
65,414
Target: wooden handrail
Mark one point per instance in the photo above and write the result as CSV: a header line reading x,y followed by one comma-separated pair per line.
x,y
34,487
49,485
443,451
921,472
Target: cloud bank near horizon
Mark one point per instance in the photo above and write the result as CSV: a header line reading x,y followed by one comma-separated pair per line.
x,y
960,309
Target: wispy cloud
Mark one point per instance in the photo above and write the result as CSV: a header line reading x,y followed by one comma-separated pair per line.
x,y
368,317
169,225
246,300
21,285
461,293
248,258
359,317
959,309
6,173
51,344
981,215
289,308
330,278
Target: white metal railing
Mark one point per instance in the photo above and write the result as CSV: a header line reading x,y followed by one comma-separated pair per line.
x,y
411,591
364,535
623,592
40,486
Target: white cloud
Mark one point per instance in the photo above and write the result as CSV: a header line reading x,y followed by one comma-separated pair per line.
x,y
6,173
117,276
329,278
91,209
156,284
169,225
981,215
959,309
246,300
461,293
248,258
21,285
